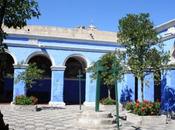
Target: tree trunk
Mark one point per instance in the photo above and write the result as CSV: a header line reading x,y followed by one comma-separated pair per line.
x,y
109,93
142,86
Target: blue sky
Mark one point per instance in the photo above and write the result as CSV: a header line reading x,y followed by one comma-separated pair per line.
x,y
103,13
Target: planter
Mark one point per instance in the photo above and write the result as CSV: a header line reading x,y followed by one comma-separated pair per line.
x,y
24,107
95,120
110,107
145,120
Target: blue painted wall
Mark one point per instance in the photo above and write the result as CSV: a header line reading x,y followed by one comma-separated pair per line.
x,y
71,91
126,88
7,90
168,90
41,89
148,90
58,51
18,88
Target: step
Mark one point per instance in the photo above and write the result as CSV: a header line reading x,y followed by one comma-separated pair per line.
x,y
97,127
95,121
100,114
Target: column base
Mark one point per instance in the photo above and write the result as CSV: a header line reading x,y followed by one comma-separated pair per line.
x,y
12,103
89,104
56,103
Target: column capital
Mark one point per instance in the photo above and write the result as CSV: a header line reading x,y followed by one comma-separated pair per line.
x,y
58,68
20,66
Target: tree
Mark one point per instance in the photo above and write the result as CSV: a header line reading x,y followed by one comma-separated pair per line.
x,y
108,62
29,76
144,52
15,13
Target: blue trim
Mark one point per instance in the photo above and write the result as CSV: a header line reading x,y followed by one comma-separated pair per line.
x,y
58,48
17,38
163,31
82,43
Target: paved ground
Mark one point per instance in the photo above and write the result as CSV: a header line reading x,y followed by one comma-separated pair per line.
x,y
60,119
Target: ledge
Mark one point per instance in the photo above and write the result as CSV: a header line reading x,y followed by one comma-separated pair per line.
x,y
145,120
20,66
57,68
24,107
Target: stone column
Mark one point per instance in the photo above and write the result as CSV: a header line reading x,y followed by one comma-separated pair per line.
x,y
126,88
18,88
57,85
90,92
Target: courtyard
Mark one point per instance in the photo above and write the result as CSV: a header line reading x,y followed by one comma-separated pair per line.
x,y
64,118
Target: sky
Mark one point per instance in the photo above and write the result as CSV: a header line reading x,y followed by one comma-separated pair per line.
x,y
104,14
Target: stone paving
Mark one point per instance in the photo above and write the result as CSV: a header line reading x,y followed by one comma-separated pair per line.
x,y
61,119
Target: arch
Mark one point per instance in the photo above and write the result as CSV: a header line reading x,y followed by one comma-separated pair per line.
x,y
41,87
6,77
36,53
79,57
12,55
74,64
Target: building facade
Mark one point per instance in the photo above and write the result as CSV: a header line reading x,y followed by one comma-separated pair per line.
x,y
63,53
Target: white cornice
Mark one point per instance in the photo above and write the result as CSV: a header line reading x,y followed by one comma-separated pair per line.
x,y
20,66
58,68
165,26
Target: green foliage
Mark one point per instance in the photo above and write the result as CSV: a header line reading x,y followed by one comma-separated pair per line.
x,y
24,100
129,106
15,13
34,100
29,76
108,101
112,68
143,52
143,108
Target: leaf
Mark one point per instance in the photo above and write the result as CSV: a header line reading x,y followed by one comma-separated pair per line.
x,y
31,73
113,68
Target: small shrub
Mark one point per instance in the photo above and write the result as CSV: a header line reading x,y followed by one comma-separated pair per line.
x,y
24,100
34,100
143,108
108,101
129,106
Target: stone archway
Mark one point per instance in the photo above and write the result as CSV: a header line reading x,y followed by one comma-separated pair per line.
x,y
71,82
42,88
6,77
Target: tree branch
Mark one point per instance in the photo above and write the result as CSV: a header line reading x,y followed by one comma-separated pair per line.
x,y
2,14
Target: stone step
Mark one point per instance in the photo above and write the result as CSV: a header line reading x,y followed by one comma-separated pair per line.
x,y
98,127
92,114
95,121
